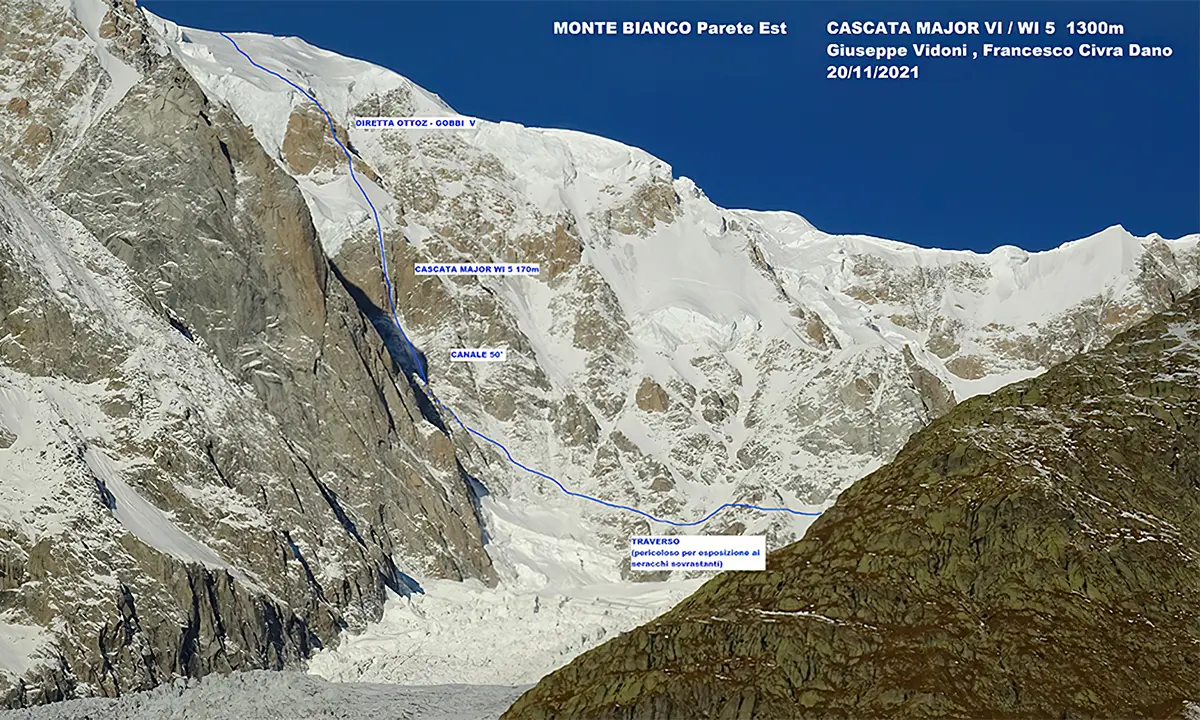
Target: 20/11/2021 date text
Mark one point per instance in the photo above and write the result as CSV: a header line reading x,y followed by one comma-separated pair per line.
x,y
872,72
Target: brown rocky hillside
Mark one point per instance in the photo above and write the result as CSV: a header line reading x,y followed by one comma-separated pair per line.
x,y
1031,554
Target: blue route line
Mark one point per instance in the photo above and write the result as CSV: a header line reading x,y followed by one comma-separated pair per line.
x,y
420,368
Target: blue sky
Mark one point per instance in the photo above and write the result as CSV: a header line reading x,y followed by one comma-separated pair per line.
x,y
973,154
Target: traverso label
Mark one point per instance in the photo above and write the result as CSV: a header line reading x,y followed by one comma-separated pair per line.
x,y
698,552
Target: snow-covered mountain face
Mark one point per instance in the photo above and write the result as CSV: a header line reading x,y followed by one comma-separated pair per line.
x,y
673,355
195,390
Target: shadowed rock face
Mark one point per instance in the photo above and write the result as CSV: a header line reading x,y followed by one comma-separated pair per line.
x,y
1030,554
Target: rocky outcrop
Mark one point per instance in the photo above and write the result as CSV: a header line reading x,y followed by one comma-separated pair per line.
x,y
651,397
308,145
968,367
1009,563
